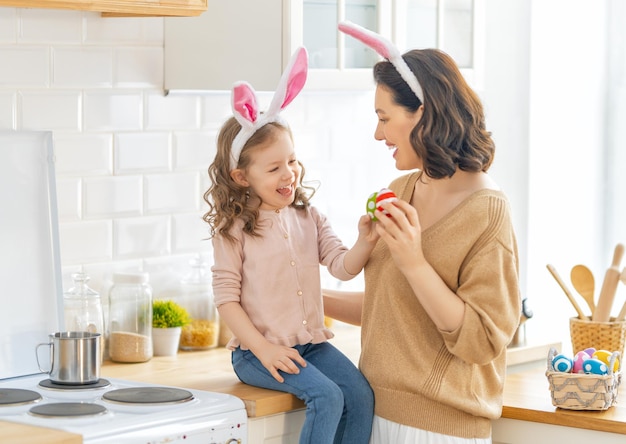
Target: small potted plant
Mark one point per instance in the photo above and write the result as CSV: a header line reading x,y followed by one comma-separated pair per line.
x,y
168,318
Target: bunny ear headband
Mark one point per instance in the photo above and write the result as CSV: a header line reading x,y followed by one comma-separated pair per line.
x,y
246,109
386,49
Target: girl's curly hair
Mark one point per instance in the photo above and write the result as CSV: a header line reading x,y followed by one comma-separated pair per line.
x,y
229,201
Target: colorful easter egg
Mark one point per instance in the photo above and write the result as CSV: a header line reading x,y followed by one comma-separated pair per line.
x,y
375,200
579,359
370,207
590,351
595,367
562,363
385,195
605,356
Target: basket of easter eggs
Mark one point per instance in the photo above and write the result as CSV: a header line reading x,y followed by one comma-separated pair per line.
x,y
588,381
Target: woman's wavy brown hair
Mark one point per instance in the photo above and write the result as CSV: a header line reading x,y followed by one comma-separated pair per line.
x,y
451,132
229,201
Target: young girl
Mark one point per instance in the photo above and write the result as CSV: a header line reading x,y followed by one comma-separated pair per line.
x,y
268,244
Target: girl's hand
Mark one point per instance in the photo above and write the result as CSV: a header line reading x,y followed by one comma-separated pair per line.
x,y
402,233
280,357
367,230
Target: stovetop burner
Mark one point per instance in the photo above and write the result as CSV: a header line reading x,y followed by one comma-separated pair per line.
x,y
11,396
68,409
148,395
47,383
139,415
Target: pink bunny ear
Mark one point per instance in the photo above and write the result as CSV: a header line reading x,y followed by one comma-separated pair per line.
x,y
244,102
386,49
246,110
291,82
297,69
375,41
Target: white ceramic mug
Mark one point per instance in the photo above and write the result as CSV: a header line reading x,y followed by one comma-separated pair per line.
x,y
74,357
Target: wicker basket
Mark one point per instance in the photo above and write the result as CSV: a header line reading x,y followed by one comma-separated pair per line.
x,y
599,335
577,391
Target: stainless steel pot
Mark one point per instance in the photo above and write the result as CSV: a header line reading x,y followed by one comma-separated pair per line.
x,y
75,357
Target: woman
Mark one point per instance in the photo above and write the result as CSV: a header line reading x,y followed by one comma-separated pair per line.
x,y
441,299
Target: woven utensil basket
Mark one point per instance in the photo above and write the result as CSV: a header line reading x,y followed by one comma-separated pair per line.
x,y
578,391
599,335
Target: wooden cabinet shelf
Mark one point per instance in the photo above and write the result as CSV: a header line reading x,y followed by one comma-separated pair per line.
x,y
171,8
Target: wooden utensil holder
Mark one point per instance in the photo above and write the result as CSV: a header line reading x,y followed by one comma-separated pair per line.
x,y
608,336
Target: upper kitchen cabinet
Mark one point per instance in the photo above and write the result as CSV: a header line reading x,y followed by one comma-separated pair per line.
x,y
181,8
238,40
254,40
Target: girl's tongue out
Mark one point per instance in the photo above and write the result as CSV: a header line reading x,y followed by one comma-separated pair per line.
x,y
285,191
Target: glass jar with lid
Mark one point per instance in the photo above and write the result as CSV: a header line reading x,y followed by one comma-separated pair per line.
x,y
130,318
197,297
82,307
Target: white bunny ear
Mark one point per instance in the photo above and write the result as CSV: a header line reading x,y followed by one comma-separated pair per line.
x,y
291,82
386,49
245,108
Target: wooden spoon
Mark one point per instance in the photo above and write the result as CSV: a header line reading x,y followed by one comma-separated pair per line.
x,y
583,282
569,295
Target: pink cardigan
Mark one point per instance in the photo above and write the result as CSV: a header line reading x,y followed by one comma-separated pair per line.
x,y
276,276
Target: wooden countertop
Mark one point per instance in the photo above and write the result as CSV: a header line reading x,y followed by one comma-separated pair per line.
x,y
212,370
526,394
209,370
14,433
527,398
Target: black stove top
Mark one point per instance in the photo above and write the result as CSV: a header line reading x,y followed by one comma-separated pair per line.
x,y
100,383
67,409
148,395
13,396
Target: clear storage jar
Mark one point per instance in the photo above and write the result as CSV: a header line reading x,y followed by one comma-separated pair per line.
x,y
82,307
197,298
130,318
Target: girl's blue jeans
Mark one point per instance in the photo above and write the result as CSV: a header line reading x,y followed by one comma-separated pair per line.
x,y
339,401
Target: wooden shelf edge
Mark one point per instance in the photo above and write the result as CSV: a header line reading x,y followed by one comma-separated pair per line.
x,y
116,8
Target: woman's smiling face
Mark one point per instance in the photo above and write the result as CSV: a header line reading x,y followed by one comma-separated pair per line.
x,y
394,127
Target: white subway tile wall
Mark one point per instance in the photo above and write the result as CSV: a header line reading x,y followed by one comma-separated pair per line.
x,y
69,198
131,163
7,108
49,109
25,66
83,154
82,67
8,25
114,196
